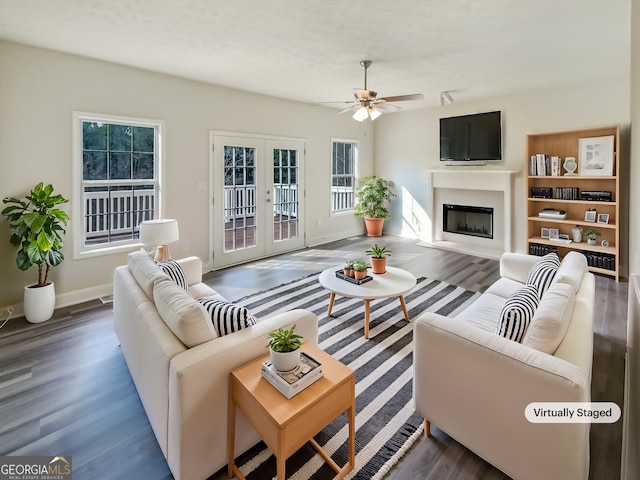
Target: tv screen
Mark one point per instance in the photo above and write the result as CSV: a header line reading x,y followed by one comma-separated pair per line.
x,y
471,137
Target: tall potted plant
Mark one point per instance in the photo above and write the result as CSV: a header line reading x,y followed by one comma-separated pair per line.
x,y
372,199
37,227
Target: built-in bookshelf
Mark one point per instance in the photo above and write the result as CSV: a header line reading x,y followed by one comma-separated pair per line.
x,y
594,192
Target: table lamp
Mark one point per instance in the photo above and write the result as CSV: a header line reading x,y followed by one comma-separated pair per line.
x,y
159,233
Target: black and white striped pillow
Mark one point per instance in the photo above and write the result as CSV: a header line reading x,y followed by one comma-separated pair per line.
x,y
226,317
542,273
517,313
175,272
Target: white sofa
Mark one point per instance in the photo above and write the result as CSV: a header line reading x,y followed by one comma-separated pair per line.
x,y
474,384
185,390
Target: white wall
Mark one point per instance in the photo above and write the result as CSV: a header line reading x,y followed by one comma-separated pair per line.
x,y
39,89
407,143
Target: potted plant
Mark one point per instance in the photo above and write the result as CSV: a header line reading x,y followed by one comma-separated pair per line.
x,y
372,197
284,349
591,235
360,269
348,268
378,258
37,227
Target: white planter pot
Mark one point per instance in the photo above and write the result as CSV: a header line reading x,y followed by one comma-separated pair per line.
x,y
39,303
285,361
592,241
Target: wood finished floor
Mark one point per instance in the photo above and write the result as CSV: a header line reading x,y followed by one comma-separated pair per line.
x,y
65,388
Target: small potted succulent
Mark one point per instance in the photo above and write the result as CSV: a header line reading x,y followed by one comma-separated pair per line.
x,y
360,268
348,268
378,258
284,349
591,235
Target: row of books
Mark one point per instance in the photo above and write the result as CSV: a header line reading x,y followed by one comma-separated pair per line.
x,y
541,250
601,260
545,165
568,193
293,382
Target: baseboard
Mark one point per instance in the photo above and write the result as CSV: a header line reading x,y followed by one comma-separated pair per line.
x,y
66,299
466,249
333,237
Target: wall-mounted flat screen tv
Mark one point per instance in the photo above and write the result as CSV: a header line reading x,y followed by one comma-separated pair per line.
x,y
471,137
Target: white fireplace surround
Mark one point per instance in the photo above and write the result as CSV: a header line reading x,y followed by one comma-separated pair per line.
x,y
475,187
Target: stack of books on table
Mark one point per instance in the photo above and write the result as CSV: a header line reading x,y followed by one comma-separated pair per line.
x,y
290,383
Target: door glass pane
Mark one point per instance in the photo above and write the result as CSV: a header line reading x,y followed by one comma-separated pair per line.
x,y
285,194
239,198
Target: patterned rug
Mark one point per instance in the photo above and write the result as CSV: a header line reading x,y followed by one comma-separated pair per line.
x,y
386,423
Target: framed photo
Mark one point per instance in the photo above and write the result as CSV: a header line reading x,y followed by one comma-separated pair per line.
x,y
590,216
544,233
596,156
603,218
554,234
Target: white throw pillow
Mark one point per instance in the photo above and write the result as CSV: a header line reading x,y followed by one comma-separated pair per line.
x,y
572,269
542,273
517,313
227,317
144,270
186,318
174,271
551,320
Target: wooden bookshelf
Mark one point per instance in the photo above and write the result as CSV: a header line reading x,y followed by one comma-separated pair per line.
x,y
603,260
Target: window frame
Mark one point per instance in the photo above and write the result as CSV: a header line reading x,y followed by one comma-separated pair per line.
x,y
80,250
356,149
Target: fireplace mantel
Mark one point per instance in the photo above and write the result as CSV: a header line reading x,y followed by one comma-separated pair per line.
x,y
477,181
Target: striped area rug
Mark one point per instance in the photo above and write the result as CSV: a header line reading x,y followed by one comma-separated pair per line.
x,y
386,423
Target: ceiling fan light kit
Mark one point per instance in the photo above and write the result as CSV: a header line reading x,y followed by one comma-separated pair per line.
x,y
368,105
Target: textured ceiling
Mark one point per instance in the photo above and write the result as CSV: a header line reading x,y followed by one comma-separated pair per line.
x,y
310,51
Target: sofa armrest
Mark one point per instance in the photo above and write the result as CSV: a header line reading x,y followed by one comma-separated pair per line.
x,y
199,391
192,267
475,386
516,266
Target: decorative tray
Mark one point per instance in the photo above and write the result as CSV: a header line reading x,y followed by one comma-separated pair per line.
x,y
340,274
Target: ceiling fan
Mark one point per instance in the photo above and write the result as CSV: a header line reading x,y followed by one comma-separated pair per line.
x,y
368,105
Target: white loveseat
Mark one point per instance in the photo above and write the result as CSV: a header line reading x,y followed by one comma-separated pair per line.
x,y
474,384
185,390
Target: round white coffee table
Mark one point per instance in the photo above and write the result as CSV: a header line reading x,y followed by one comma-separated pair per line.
x,y
395,282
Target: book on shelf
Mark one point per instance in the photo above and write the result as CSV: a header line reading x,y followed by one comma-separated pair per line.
x,y
293,382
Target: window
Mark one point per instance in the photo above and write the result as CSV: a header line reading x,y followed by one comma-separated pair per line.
x,y
343,162
117,164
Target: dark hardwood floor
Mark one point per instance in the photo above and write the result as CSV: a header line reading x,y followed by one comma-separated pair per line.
x,y
65,388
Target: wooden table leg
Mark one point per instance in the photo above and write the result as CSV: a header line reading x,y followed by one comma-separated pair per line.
x,y
280,467
351,415
404,308
367,311
332,297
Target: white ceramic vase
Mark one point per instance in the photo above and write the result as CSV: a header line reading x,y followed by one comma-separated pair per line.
x,y
285,361
39,302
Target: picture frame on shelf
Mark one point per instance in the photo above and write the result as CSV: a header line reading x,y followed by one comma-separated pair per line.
x,y
544,233
596,156
603,218
590,216
554,234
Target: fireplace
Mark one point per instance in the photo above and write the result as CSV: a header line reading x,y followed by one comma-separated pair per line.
x,y
467,220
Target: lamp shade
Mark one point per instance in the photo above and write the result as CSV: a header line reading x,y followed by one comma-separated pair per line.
x,y
159,232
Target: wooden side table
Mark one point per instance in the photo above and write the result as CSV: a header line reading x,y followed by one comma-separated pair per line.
x,y
286,425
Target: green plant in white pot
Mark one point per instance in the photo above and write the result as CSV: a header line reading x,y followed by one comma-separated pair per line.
x,y
592,235
37,227
284,348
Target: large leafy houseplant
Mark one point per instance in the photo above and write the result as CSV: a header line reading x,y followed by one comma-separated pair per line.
x,y
37,227
372,200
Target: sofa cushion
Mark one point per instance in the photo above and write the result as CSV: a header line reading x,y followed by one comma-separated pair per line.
x,y
542,273
226,317
484,312
517,313
551,320
145,271
572,269
174,271
186,318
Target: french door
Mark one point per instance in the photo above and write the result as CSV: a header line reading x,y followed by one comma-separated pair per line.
x,y
258,197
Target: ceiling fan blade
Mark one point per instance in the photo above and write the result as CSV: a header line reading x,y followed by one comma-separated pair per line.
x,y
386,107
339,101
347,109
402,98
